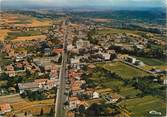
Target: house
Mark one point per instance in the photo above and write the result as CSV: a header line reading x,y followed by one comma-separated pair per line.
x,y
38,84
57,50
89,93
54,72
44,62
11,73
70,114
106,56
74,74
19,65
131,59
28,86
41,81
140,47
73,102
82,44
70,47
10,70
75,60
165,81
76,86
4,108
139,63
113,98
95,95
46,84
19,58
50,84
47,51
91,66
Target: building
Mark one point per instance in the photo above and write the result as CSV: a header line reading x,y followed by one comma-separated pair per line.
x,y
4,108
82,44
57,50
131,59
74,102
43,84
76,86
75,60
106,56
28,86
95,95
10,70
53,72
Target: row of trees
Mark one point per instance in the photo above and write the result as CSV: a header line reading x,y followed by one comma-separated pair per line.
x,y
96,110
153,53
149,86
34,95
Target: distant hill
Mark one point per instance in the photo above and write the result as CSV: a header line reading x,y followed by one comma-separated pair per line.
x,y
151,15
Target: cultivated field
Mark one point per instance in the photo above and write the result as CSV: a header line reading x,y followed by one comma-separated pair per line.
x,y
101,20
152,61
125,71
135,104
35,23
20,105
142,106
3,34
30,38
24,21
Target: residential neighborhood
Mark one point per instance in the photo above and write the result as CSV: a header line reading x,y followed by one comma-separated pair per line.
x,y
70,64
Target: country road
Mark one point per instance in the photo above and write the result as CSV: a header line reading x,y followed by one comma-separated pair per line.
x,y
60,98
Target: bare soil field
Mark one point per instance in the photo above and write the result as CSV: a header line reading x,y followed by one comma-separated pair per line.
x,y
101,20
3,34
20,105
23,20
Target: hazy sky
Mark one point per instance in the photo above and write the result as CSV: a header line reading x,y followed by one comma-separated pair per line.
x,y
100,3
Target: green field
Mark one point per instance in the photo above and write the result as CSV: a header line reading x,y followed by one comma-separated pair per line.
x,y
125,71
13,35
125,91
116,84
4,61
23,22
112,31
140,107
152,61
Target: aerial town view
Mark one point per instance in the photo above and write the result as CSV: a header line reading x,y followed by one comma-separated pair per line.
x,y
83,58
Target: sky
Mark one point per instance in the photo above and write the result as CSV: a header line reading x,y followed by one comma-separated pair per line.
x,y
81,3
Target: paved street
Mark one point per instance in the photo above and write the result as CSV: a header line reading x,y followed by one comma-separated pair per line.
x,y
60,99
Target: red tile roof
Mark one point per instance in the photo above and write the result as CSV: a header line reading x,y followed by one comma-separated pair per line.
x,y
5,108
57,50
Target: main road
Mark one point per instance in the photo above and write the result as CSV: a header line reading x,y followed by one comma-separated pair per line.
x,y
60,98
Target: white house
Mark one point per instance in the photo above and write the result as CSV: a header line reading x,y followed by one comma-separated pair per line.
x,y
95,95
106,56
82,44
75,60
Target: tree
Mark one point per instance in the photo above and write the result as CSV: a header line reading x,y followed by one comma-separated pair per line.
x,y
51,113
81,109
66,103
41,113
94,110
25,114
74,40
